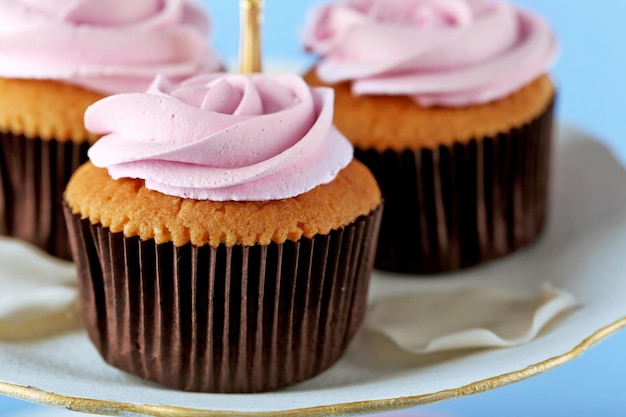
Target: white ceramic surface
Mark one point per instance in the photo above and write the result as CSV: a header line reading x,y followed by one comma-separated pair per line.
x,y
581,252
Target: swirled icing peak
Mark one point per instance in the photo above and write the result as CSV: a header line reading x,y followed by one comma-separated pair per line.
x,y
106,45
441,52
221,137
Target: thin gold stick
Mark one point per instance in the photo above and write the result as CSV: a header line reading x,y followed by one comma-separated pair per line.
x,y
250,47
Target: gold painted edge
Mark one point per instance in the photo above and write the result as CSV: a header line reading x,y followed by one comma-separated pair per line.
x,y
355,408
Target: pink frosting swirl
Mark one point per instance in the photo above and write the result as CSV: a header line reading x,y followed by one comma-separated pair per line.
x,y
109,46
441,52
221,137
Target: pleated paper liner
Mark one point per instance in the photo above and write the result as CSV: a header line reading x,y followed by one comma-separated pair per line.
x,y
33,176
240,319
453,207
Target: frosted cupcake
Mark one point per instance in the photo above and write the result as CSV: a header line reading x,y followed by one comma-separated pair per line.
x,y
223,234
56,58
448,103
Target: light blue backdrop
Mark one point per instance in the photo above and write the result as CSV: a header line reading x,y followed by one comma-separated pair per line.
x,y
590,76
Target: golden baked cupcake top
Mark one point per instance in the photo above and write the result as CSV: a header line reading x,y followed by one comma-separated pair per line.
x,y
127,206
46,109
397,122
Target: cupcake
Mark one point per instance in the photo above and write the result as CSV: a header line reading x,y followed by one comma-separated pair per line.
x,y
449,104
55,60
223,234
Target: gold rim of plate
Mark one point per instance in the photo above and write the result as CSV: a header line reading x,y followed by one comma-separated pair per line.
x,y
363,407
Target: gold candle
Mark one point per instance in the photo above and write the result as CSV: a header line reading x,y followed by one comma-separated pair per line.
x,y
250,47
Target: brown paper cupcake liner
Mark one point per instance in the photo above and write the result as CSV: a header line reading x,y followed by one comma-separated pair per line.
x,y
33,176
239,319
456,206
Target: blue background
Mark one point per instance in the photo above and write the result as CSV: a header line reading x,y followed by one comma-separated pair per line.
x,y
590,77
